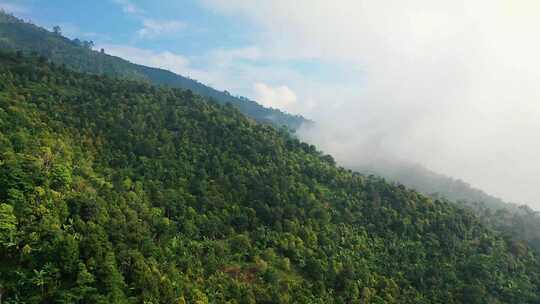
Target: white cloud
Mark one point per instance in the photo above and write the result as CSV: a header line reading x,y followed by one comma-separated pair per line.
x,y
128,7
281,97
226,69
153,28
224,57
209,70
165,60
448,83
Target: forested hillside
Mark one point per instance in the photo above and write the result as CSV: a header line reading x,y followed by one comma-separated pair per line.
x,y
15,34
434,184
518,222
114,191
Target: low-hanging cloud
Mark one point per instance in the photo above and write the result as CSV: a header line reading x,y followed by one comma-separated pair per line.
x,y
281,97
153,28
451,84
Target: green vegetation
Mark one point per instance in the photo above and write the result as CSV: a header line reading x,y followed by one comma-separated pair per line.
x,y
519,223
115,191
16,34
434,184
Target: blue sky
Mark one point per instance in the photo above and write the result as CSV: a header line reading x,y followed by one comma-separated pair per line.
x,y
451,84
201,30
192,39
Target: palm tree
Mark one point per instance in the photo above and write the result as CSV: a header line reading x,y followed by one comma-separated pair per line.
x,y
39,280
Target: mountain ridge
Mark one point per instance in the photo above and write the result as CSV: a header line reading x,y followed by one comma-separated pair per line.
x,y
16,34
434,184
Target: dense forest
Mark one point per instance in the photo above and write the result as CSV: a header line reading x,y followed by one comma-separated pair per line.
x,y
519,222
433,184
15,34
520,225
117,191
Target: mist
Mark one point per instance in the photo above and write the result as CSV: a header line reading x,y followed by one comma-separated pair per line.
x,y
453,85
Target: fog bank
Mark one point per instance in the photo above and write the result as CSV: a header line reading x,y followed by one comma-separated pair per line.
x,y
453,85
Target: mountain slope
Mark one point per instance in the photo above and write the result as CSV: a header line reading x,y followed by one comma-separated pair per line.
x,y
16,34
113,191
517,222
434,184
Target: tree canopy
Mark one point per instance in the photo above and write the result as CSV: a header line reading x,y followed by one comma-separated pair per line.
x,y
117,191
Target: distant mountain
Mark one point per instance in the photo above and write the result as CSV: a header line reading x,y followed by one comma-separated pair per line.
x,y
433,184
15,34
518,222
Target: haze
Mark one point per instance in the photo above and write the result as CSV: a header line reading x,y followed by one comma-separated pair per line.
x,y
453,85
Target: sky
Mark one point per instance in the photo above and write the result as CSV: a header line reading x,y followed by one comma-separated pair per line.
x,y
451,84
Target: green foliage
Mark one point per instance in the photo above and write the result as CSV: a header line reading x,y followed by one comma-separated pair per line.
x,y
433,184
520,225
515,222
116,191
8,225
